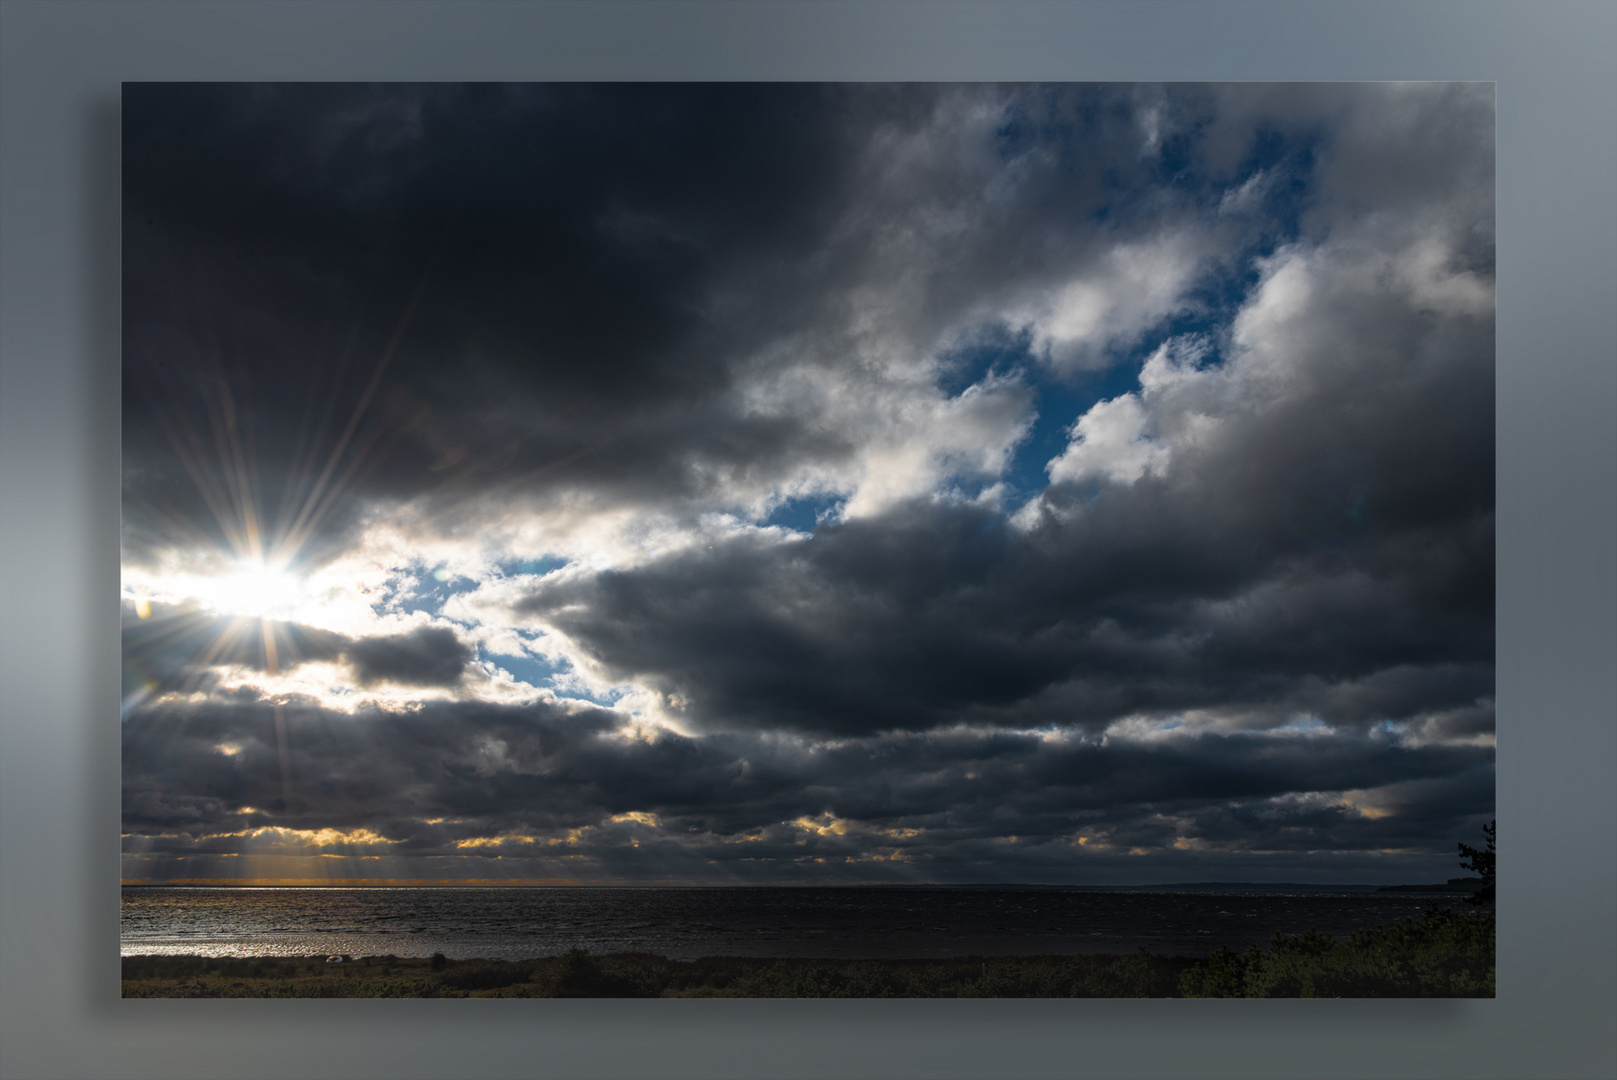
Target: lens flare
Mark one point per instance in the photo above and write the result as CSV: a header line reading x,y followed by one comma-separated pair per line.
x,y
252,590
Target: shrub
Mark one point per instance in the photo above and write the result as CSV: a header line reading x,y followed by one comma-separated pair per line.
x,y
483,975
578,974
1440,954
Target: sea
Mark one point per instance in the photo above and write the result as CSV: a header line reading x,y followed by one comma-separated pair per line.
x,y
688,923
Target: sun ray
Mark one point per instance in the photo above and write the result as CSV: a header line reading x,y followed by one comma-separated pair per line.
x,y
319,501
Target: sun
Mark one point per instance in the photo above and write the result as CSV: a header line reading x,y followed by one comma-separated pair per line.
x,y
253,590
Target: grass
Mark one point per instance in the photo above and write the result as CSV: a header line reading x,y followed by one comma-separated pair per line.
x,y
631,975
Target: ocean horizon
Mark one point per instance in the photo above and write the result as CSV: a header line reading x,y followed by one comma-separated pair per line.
x,y
1178,886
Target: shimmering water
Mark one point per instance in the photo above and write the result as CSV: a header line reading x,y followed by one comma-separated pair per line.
x,y
517,923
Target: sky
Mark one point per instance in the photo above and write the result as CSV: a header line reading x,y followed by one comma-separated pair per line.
x,y
807,484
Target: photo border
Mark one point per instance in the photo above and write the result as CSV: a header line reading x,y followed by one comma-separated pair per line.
x,y
62,65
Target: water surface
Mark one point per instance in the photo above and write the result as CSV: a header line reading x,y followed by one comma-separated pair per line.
x,y
519,923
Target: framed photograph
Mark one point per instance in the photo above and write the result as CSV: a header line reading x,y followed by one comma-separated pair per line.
x,y
808,539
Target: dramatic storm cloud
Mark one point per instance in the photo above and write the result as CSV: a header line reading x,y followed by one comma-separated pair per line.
x,y
807,483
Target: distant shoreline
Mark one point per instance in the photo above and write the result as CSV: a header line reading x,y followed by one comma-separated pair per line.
x,y
1454,886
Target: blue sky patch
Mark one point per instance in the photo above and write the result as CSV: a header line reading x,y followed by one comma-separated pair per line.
x,y
804,513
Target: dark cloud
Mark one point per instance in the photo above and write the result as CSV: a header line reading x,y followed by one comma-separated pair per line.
x,y
178,648
421,782
428,656
935,614
546,255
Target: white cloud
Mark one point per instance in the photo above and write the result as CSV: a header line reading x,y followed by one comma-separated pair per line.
x,y
1248,196
1425,269
1123,293
1111,441
1309,328
935,437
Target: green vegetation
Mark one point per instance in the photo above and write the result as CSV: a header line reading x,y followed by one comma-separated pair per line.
x,y
273,977
581,974
1441,954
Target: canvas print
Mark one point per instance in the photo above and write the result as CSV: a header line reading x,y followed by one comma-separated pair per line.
x,y
808,540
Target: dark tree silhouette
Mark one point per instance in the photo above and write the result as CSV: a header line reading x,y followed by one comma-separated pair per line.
x,y
1482,863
